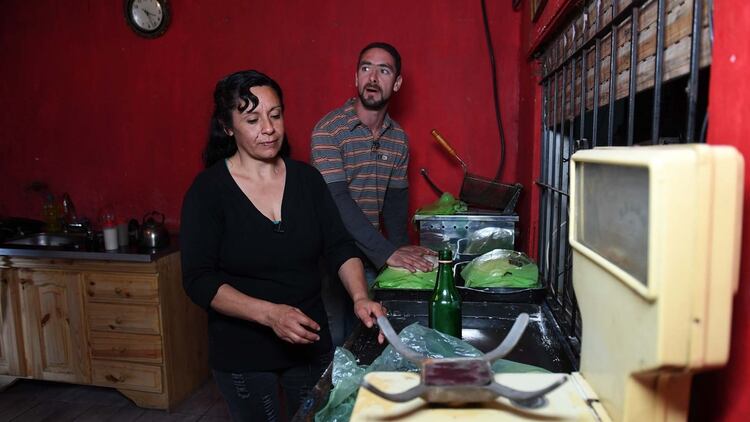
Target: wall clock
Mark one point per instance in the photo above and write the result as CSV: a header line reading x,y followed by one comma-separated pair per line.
x,y
148,18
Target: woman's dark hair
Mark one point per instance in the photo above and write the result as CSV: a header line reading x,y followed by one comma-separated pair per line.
x,y
233,92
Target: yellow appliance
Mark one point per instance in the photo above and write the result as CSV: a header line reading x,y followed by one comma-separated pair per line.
x,y
655,233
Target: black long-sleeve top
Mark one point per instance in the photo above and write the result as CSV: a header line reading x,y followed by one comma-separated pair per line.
x,y
225,239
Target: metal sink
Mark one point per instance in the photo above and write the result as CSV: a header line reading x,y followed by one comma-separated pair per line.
x,y
49,240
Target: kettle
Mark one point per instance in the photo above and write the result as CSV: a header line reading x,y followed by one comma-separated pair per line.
x,y
153,234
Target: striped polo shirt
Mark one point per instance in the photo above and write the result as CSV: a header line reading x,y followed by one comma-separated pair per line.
x,y
345,150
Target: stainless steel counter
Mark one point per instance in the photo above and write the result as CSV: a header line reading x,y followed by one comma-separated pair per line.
x,y
82,252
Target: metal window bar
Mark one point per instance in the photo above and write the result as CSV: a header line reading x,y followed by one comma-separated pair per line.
x,y
557,223
543,171
565,257
597,74
582,115
695,52
632,83
612,79
658,70
562,135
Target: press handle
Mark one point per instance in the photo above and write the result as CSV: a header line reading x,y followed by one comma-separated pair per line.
x,y
448,148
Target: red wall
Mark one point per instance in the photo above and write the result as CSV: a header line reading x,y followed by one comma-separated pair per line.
x,y
717,395
92,109
723,395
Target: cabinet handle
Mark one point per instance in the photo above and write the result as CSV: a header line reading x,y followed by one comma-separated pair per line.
x,y
45,319
120,292
90,292
120,349
112,378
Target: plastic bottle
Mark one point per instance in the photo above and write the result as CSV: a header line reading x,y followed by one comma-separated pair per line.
x,y
122,233
109,228
444,313
110,237
51,211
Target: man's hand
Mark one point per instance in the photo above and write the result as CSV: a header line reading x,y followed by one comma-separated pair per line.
x,y
412,258
368,311
292,325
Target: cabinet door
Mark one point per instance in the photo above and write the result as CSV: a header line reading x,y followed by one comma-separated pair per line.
x,y
11,344
54,335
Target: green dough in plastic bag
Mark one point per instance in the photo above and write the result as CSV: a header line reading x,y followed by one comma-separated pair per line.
x,y
447,204
487,239
401,278
501,268
347,375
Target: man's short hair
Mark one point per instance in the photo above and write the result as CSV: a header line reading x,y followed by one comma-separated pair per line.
x,y
383,46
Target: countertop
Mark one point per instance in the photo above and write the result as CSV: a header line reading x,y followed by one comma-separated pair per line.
x,y
82,252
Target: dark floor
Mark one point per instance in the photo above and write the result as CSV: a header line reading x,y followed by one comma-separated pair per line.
x,y
29,400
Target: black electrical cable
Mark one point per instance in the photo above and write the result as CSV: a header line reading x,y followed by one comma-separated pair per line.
x,y
495,93
704,126
702,136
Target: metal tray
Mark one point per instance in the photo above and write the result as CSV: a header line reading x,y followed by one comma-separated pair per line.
x,y
440,231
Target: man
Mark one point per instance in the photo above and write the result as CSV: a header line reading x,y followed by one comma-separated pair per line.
x,y
363,155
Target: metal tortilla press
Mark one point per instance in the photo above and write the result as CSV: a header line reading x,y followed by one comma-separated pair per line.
x,y
462,380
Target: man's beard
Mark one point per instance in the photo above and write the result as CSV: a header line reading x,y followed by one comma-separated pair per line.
x,y
372,103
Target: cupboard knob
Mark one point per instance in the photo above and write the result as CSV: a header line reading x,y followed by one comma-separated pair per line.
x,y
112,378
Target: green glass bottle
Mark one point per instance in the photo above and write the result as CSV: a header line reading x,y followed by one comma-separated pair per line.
x,y
444,313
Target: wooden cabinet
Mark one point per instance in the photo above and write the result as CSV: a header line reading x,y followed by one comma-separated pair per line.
x,y
142,333
124,325
52,318
12,361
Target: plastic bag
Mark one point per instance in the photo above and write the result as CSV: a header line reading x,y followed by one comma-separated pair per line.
x,y
401,278
501,268
447,204
347,375
487,239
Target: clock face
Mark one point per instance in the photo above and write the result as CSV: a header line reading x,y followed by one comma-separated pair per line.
x,y
147,14
148,18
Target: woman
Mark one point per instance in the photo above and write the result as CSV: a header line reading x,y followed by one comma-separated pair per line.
x,y
254,225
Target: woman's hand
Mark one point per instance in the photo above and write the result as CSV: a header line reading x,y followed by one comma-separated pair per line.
x,y
368,311
292,325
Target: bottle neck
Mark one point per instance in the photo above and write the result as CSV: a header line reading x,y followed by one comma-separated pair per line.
x,y
445,275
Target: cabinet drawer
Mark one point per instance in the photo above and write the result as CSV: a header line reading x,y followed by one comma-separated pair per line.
x,y
130,376
137,319
121,287
121,346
